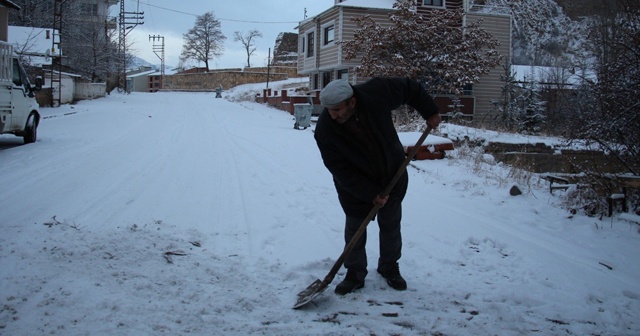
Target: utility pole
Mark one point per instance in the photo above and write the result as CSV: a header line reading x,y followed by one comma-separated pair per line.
x,y
56,54
268,67
158,49
128,21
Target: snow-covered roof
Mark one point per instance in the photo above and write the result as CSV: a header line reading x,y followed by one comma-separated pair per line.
x,y
144,73
47,74
549,75
378,4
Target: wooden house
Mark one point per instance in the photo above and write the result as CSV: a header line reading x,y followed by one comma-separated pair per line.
x,y
322,59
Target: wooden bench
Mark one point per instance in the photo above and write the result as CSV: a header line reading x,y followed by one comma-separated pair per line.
x,y
560,182
564,182
625,182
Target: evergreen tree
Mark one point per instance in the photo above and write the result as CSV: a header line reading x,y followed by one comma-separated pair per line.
x,y
528,109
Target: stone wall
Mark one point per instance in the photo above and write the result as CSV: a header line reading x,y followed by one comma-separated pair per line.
x,y
540,158
211,80
292,72
503,147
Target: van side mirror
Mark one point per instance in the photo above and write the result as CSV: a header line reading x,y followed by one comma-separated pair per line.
x,y
38,83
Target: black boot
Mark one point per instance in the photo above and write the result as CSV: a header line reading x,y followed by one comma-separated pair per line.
x,y
394,279
349,284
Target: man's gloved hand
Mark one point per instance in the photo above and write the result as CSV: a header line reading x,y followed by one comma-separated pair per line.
x,y
434,120
380,201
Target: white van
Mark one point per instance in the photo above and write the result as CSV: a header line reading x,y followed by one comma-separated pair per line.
x,y
18,107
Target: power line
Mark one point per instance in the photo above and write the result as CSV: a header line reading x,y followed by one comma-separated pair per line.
x,y
221,19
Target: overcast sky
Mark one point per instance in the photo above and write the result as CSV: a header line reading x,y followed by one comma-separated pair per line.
x,y
171,19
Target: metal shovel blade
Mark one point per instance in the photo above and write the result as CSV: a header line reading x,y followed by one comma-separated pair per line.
x,y
307,295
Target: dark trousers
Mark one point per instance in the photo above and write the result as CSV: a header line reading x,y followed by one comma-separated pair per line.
x,y
389,218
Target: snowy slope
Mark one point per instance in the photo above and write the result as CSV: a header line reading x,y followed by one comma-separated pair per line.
x,y
242,206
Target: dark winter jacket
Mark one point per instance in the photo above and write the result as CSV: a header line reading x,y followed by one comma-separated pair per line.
x,y
356,174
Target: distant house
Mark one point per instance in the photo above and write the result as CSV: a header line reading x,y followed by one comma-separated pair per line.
x,y
544,77
322,59
68,83
138,80
194,70
557,87
155,82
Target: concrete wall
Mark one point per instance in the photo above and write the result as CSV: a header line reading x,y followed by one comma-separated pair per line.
x,y
68,88
90,90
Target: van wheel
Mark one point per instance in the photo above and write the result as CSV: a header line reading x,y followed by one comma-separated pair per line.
x,y
31,130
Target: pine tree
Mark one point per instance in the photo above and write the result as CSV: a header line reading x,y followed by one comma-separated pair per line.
x,y
529,109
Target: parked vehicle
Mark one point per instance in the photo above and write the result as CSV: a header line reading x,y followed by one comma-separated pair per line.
x,y
19,111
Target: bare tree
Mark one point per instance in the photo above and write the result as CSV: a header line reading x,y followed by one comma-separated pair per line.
x,y
248,41
86,39
610,101
435,49
204,41
91,50
32,13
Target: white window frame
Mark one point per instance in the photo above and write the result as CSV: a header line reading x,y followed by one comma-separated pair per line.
x,y
307,41
323,30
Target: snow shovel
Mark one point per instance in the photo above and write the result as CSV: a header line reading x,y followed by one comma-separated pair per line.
x,y
317,287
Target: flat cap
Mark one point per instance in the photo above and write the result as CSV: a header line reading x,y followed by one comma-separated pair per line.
x,y
335,93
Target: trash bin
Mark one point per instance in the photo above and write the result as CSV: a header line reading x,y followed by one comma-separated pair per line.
x,y
219,92
302,112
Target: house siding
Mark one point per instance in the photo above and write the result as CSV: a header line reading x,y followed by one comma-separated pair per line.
x,y
349,29
328,62
330,58
489,87
328,53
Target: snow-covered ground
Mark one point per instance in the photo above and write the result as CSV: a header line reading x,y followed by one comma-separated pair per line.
x,y
182,214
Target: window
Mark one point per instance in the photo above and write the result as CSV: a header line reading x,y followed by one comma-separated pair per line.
x,y
303,45
328,35
343,74
17,81
326,78
90,9
468,89
435,3
310,39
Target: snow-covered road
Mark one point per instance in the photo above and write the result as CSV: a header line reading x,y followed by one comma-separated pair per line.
x,y
246,199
